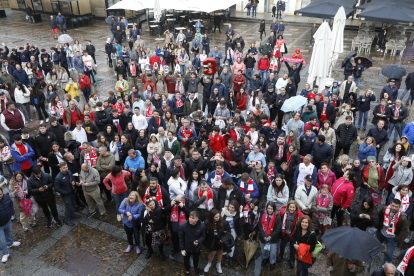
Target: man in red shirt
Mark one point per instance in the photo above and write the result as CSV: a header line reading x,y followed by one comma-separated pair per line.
x,y
85,85
216,140
71,115
312,95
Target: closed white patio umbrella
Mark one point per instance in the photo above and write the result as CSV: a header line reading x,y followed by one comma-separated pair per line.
x,y
337,42
319,65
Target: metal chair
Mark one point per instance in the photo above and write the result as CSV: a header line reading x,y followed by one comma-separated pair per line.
x,y
399,46
389,46
355,43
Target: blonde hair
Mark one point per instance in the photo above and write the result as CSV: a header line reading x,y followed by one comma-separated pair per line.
x,y
139,200
289,203
341,158
373,140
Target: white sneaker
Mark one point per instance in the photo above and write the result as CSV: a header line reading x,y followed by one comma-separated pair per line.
x,y
119,217
206,269
382,51
14,244
218,266
47,120
25,228
41,121
379,49
5,258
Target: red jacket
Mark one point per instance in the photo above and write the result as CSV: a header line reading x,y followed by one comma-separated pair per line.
x,y
297,54
241,101
216,143
381,175
312,95
84,82
146,82
263,64
278,55
342,193
228,155
308,124
297,215
170,85
236,80
153,60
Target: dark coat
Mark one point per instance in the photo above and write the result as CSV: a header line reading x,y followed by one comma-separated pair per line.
x,y
401,229
306,144
43,142
409,81
124,119
33,185
363,223
63,183
349,69
275,236
189,233
401,116
236,194
377,109
101,119
54,163
6,210
59,131
321,154
309,238
365,106
208,242
294,73
153,126
273,150
346,135
381,137
156,216
123,152
330,111
141,145
193,165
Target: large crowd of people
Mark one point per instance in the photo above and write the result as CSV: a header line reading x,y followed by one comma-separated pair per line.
x,y
192,159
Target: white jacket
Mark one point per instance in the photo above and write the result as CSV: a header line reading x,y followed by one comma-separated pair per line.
x,y
22,96
304,200
114,149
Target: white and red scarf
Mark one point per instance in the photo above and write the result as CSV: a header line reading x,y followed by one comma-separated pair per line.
x,y
271,174
158,196
397,111
174,214
179,87
266,225
209,202
250,187
216,181
390,224
279,155
323,202
59,104
4,153
179,103
149,112
5,102
133,69
182,174
405,201
402,267
92,158
120,107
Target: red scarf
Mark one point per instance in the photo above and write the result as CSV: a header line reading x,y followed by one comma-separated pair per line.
x,y
279,155
148,114
250,187
270,174
323,203
209,202
158,196
382,109
133,69
397,111
405,201
402,267
182,174
92,158
119,107
390,224
268,227
179,103
174,214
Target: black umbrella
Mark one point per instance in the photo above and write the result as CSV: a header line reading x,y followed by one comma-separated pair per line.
x,y
391,12
394,72
365,61
326,8
381,3
347,59
352,243
109,19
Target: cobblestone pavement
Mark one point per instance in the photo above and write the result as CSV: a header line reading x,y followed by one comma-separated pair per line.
x,y
94,247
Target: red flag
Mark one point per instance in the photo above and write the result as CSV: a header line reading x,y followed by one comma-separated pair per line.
x,y
376,197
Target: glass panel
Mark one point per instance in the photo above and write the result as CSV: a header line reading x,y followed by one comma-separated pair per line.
x,y
21,4
37,4
65,7
55,7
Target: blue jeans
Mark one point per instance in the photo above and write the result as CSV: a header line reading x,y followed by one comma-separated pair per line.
x,y
113,38
9,168
70,62
182,69
119,198
405,92
362,193
357,81
249,73
365,114
302,268
263,75
392,126
248,12
6,238
390,245
254,11
272,253
69,201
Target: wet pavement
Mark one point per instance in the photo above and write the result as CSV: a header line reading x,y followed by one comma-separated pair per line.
x,y
94,247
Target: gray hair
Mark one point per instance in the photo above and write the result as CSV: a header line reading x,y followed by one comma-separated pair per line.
x,y
309,156
103,148
72,101
154,179
389,265
186,120
85,165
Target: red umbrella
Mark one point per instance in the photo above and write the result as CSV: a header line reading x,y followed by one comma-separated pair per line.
x,y
26,206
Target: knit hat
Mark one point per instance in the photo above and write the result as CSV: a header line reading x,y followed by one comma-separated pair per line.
x,y
369,158
404,136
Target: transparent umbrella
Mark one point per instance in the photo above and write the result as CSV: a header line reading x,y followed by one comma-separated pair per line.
x,y
65,38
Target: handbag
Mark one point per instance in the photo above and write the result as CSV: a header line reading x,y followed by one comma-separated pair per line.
x,y
127,59
284,166
158,238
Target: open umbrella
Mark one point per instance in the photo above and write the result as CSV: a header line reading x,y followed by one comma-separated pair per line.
x,y
26,206
352,243
326,8
365,61
293,103
337,42
250,248
65,38
319,64
392,12
109,19
394,72
347,59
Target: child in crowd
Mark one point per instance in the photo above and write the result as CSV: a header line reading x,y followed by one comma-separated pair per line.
x,y
79,133
5,157
264,107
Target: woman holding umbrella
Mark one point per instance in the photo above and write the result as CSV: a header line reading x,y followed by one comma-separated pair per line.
x,y
358,69
349,68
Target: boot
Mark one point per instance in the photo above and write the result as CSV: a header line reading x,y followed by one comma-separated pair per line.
x,y
230,261
409,237
323,228
279,258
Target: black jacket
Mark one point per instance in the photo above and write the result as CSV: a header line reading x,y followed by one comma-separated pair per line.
x,y
208,126
91,49
236,194
273,150
346,135
309,238
249,62
59,131
291,89
123,152
133,133
275,236
43,142
54,162
53,23
73,147
293,163
101,119
6,210
306,144
330,111
401,116
63,183
321,154
238,40
208,242
118,35
121,70
91,127
125,119
206,88
194,165
108,48
271,98
295,74
155,215
282,98
349,68
200,139
33,185
189,233
31,142
377,109
363,223
409,81
380,136
206,156
141,145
